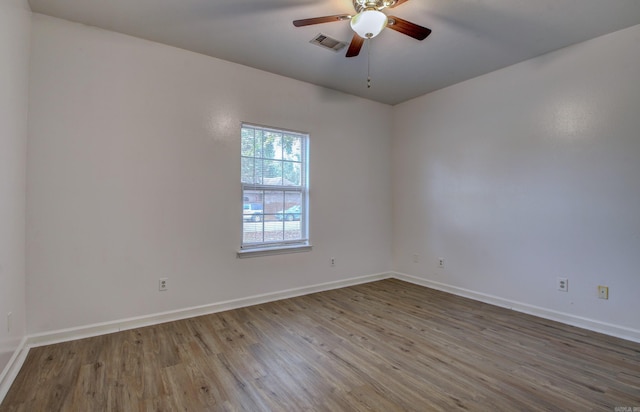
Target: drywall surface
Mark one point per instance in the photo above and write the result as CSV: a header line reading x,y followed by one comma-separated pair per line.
x,y
15,27
525,175
134,175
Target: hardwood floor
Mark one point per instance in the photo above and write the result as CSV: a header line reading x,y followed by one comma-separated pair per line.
x,y
382,346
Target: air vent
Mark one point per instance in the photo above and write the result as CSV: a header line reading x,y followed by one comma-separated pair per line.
x,y
327,42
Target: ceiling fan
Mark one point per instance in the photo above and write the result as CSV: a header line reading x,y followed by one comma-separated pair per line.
x,y
369,22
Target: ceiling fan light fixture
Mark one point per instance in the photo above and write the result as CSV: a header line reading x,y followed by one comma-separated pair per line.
x,y
369,23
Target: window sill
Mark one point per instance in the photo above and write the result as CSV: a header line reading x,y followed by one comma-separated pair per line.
x,y
276,250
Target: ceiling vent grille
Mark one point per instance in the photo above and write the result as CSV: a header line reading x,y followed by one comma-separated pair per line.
x,y
327,42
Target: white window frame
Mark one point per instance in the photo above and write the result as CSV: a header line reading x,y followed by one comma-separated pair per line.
x,y
251,249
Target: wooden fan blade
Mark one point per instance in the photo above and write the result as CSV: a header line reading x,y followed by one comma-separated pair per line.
x,y
397,3
318,20
355,46
408,28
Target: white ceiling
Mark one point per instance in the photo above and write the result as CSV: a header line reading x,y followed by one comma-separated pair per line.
x,y
470,37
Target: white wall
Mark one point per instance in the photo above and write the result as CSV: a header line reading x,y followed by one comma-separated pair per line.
x,y
528,174
515,178
15,26
133,175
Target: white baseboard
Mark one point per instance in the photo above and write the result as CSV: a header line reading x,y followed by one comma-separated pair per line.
x,y
566,318
10,372
64,335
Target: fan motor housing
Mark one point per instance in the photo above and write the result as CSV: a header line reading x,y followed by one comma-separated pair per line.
x,y
361,5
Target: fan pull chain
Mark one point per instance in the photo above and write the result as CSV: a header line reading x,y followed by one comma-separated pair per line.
x,y
368,63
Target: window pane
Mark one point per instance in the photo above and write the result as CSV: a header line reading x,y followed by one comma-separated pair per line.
x,y
272,145
258,171
292,173
292,230
273,203
258,143
292,147
272,172
273,231
293,199
293,216
248,170
252,232
248,142
253,196
252,207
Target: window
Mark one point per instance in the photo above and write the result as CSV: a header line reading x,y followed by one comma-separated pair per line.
x,y
274,189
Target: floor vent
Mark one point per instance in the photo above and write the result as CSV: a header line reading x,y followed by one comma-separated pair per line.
x,y
327,42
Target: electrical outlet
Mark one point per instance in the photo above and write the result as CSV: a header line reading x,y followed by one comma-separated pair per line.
x,y
415,257
163,284
9,321
441,263
603,292
333,262
563,284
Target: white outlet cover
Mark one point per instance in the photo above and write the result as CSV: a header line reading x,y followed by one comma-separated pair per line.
x,y
163,284
603,292
563,284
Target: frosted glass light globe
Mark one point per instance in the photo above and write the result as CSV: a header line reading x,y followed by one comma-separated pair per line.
x,y
369,23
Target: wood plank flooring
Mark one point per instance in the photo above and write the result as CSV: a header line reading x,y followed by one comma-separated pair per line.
x,y
382,346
